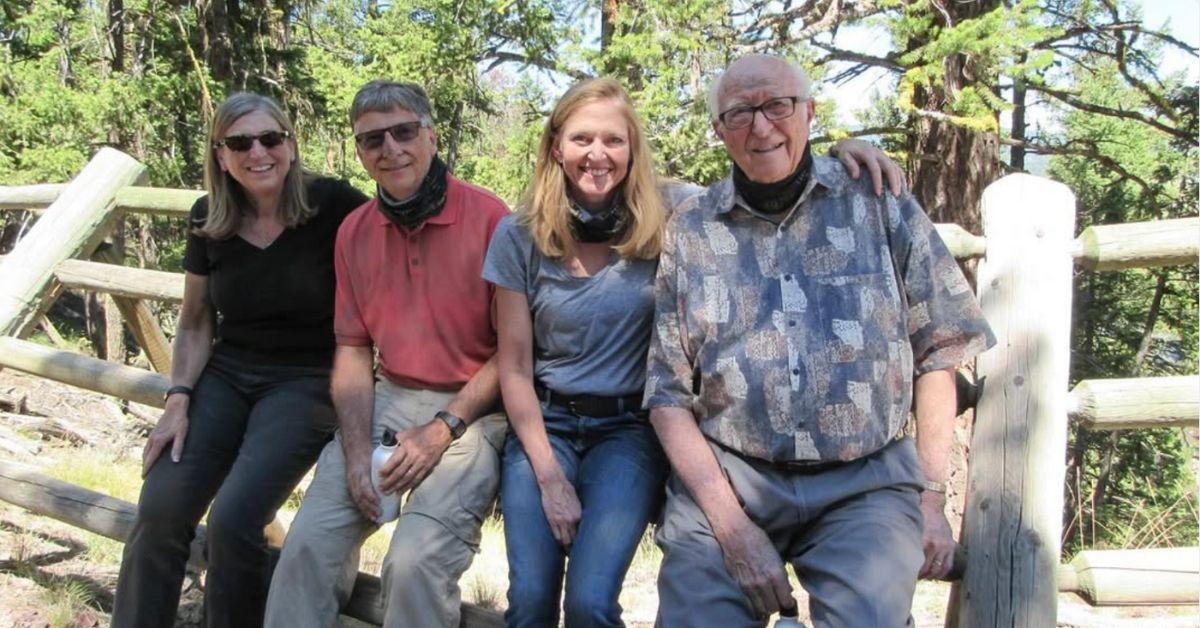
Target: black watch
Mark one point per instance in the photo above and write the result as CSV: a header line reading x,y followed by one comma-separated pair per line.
x,y
178,390
457,425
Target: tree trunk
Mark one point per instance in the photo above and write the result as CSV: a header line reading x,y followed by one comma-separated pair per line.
x,y
1016,160
608,22
952,165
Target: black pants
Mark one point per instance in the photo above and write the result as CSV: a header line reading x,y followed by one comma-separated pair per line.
x,y
253,431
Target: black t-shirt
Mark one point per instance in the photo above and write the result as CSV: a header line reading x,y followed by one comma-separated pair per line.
x,y
274,305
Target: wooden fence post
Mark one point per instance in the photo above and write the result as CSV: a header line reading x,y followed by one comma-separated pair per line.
x,y
1013,518
74,223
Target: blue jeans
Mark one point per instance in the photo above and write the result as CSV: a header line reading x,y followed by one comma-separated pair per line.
x,y
618,470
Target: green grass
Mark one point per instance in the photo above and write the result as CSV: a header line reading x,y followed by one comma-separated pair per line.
x,y
114,475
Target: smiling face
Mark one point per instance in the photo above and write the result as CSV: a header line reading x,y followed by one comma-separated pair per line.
x,y
766,150
398,167
593,147
261,171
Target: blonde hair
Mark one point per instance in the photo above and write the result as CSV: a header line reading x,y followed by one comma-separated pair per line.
x,y
545,209
227,201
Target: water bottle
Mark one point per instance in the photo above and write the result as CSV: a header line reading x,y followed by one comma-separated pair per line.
x,y
789,618
389,504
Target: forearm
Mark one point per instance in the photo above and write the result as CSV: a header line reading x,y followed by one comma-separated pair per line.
x,y
352,387
934,397
478,395
190,353
525,417
697,468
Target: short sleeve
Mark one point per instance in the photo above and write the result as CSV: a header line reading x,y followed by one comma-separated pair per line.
x,y
670,367
945,323
349,326
195,252
507,261
336,196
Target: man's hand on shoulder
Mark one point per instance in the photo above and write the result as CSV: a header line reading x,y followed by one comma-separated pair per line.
x,y
854,153
936,539
418,450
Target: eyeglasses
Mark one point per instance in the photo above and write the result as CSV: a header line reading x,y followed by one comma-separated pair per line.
x,y
401,133
243,143
773,109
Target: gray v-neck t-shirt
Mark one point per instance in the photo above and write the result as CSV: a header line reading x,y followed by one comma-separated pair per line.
x,y
590,334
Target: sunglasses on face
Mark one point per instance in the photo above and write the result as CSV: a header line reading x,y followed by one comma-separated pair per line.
x,y
401,133
243,143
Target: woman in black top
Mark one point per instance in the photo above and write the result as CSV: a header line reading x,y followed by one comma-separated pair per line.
x,y
248,410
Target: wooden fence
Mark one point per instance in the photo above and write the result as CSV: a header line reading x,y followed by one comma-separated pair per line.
x,y
1012,525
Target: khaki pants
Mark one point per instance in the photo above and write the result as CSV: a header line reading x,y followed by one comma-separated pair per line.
x,y
435,539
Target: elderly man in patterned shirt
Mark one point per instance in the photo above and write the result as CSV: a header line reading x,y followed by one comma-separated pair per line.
x,y
798,315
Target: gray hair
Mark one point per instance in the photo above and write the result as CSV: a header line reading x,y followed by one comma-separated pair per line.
x,y
714,88
384,96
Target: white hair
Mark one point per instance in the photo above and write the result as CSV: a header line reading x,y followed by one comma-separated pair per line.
x,y
714,88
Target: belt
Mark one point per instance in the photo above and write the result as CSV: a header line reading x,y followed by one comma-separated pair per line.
x,y
590,405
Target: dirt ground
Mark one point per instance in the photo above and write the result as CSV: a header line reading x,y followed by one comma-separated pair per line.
x,y
53,575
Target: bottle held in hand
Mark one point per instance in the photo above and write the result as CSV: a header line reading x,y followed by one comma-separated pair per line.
x,y
389,503
788,618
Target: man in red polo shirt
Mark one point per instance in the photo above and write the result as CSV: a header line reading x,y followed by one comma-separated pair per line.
x,y
409,288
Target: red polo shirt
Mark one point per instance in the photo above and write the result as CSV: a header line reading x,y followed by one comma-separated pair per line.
x,y
417,296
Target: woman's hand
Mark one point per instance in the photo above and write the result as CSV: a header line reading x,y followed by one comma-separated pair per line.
x,y
562,509
171,430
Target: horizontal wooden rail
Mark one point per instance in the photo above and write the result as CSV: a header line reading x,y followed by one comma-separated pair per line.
x,y
137,199
962,243
72,368
113,518
1117,404
125,281
121,281
1172,242
1134,577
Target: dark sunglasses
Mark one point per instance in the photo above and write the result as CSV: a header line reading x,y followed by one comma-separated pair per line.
x,y
243,143
401,133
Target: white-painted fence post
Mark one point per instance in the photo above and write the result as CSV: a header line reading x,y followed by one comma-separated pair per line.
x,y
1013,519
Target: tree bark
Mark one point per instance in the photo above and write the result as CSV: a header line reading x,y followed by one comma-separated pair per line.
x,y
952,165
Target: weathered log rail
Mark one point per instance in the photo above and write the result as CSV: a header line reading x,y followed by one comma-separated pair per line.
x,y
1013,521
113,518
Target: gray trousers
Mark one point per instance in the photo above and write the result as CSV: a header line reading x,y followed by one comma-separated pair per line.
x,y
852,533
434,542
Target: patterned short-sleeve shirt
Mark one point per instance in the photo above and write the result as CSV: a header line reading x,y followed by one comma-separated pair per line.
x,y
799,341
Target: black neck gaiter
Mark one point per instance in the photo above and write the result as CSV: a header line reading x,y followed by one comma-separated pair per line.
x,y
780,196
426,203
599,225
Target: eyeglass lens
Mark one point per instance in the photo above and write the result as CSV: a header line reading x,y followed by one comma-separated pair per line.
x,y
401,133
774,109
243,143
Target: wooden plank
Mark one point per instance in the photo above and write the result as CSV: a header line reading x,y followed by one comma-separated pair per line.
x,y
1172,242
70,225
35,197
1139,576
1118,404
71,368
962,243
125,281
137,199
140,319
1014,509
113,518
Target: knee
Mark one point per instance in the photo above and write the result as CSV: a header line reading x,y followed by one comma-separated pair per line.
x,y
591,604
231,523
532,602
166,513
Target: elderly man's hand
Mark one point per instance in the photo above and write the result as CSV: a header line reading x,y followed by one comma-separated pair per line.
x,y
755,564
362,491
854,153
418,450
937,540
